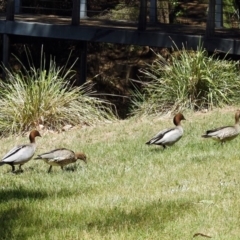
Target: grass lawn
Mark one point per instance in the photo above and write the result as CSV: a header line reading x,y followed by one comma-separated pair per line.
x,y
128,190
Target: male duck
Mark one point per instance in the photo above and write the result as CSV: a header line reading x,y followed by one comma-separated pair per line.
x,y
227,133
61,157
21,153
169,136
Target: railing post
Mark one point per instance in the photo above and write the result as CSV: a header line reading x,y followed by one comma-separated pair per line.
x,y
83,9
76,12
142,20
219,14
10,10
153,11
18,6
6,49
210,27
83,63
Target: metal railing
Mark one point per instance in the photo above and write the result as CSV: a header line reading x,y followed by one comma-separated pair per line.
x,y
182,12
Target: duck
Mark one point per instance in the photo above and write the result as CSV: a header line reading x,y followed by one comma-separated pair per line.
x,y
61,157
169,136
21,154
225,133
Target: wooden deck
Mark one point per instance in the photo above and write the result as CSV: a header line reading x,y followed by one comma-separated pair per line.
x,y
122,32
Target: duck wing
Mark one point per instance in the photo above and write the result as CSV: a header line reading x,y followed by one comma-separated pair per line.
x,y
159,136
221,132
19,153
57,154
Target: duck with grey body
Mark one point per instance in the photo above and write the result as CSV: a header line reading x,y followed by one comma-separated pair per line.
x,y
61,157
21,153
169,136
226,133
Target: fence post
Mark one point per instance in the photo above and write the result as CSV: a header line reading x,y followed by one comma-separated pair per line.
x,y
18,6
210,27
76,12
83,63
142,20
153,11
219,13
83,9
10,10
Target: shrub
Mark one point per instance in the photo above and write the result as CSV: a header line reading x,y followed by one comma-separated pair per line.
x,y
34,96
190,80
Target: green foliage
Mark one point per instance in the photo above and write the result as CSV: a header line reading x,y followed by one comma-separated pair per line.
x,y
123,11
36,96
190,80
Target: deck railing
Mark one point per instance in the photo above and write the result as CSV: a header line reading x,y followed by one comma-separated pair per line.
x,y
210,14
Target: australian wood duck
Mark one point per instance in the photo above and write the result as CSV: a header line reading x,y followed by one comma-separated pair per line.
x,y
169,136
61,157
226,133
22,153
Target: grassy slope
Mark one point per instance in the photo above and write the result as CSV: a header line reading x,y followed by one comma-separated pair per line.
x,y
128,190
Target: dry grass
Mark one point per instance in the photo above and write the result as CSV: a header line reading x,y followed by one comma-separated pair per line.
x,y
128,190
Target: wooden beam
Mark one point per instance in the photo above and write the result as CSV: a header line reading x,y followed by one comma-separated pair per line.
x,y
142,20
210,27
76,12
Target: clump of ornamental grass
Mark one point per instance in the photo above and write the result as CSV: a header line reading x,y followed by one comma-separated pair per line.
x,y
45,96
190,80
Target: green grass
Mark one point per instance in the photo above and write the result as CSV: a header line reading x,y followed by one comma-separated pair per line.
x,y
128,190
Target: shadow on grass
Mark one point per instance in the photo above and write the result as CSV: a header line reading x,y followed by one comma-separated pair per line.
x,y
19,194
13,223
156,214
21,221
16,215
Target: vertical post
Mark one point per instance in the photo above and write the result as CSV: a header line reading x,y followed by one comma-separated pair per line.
x,y
76,12
219,14
6,37
10,10
18,6
83,63
210,27
83,9
142,20
153,11
6,49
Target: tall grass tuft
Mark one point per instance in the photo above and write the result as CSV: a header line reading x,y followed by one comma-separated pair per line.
x,y
190,80
45,96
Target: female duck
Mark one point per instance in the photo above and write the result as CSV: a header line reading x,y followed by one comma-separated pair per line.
x,y
61,157
227,133
168,137
21,153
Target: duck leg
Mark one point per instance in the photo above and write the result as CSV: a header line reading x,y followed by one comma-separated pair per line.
x,y
20,168
13,167
50,168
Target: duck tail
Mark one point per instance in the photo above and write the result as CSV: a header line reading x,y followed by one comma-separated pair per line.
x,y
149,142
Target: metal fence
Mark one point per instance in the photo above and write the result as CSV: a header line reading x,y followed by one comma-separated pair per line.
x,y
175,12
